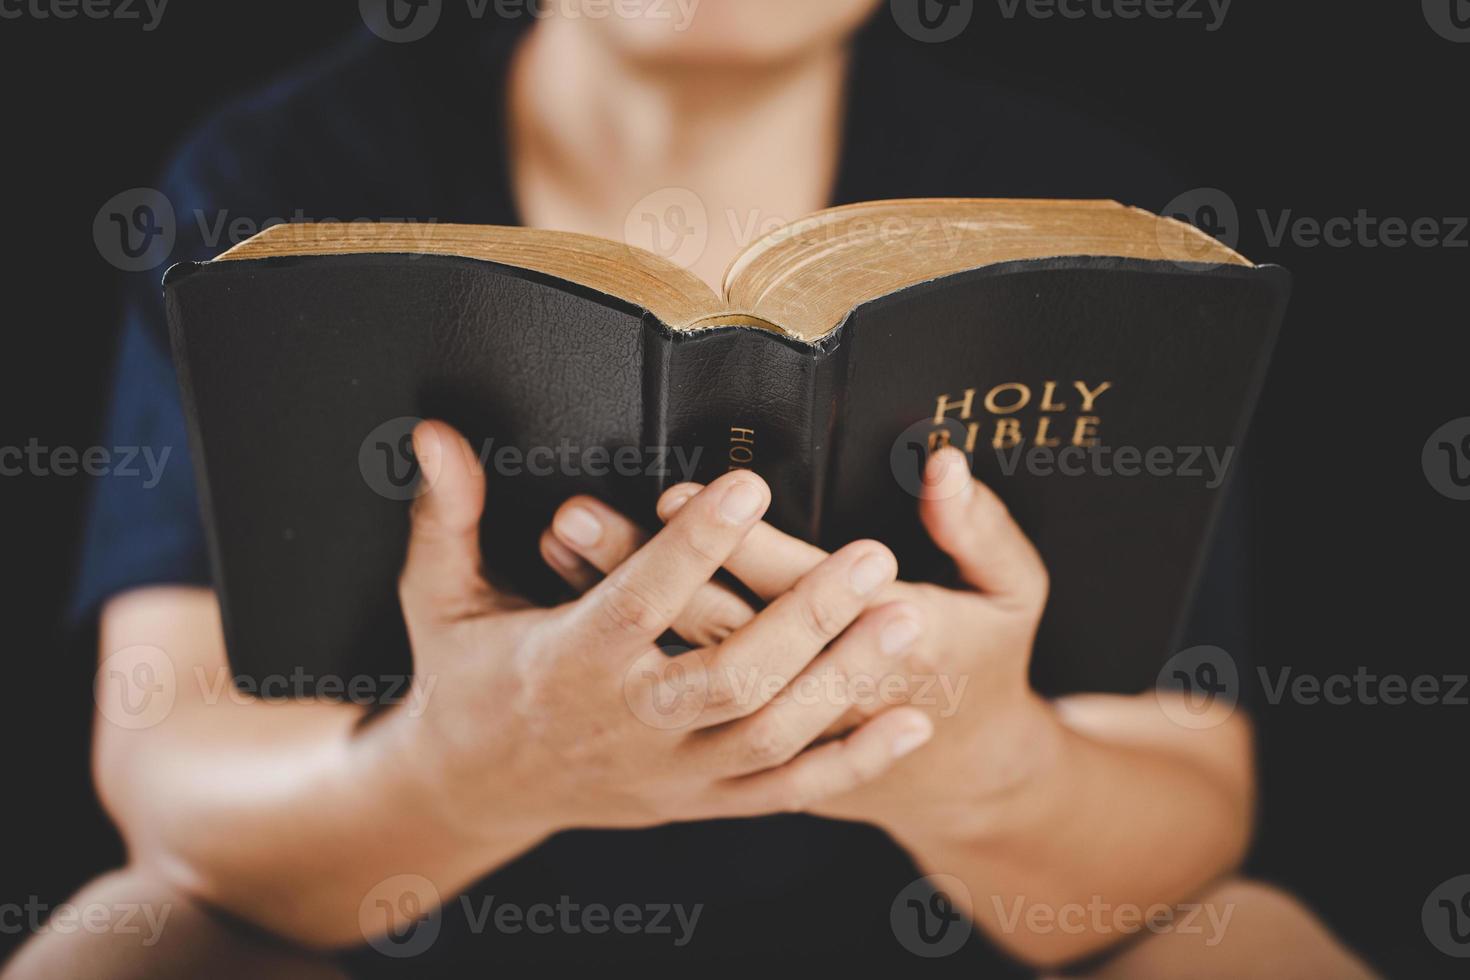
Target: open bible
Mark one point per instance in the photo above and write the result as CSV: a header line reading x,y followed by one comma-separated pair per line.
x,y
1099,364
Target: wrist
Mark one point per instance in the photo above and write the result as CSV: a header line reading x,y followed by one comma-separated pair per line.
x,y
416,762
1015,761
1038,771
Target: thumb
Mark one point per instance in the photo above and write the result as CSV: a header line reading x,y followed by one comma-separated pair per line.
x,y
969,522
442,576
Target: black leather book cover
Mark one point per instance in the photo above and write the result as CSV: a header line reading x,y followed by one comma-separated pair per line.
x,y
1104,399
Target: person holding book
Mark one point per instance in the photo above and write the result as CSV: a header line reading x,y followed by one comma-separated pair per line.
x,y
276,833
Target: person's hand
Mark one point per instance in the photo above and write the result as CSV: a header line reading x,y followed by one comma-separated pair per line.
x,y
1027,803
537,720
968,670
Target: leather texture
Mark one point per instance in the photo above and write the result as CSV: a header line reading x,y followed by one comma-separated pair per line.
x,y
1183,350
294,372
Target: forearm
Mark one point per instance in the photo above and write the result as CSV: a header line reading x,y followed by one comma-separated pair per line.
x,y
1132,813
294,836
286,815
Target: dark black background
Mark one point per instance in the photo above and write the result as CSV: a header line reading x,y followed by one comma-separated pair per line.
x,y
1322,109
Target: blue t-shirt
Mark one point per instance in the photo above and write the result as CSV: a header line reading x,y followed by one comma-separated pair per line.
x,y
415,131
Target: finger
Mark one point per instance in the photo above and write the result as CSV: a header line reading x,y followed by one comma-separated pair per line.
x,y
567,563
829,770
756,663
595,532
599,539
712,616
442,575
971,525
769,562
865,669
630,608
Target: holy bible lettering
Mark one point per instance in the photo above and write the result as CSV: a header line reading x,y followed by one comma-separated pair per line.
x,y
742,448
1051,421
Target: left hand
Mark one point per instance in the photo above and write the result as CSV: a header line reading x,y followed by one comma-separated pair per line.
x,y
968,666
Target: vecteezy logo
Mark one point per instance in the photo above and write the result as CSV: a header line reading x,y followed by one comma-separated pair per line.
x,y
932,21
387,462
909,455
401,916
134,231
1449,18
401,21
665,690
1208,209
1199,687
1446,459
1446,917
925,918
671,222
135,687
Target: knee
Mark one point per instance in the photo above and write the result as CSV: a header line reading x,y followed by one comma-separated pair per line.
x,y
1238,928
1262,913
134,923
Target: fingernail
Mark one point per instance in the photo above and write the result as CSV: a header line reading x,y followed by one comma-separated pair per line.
x,y
936,469
911,738
579,526
948,474
898,636
869,574
560,555
421,437
675,501
966,483
741,503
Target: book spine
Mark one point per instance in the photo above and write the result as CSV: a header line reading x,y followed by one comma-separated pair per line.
x,y
745,398
829,384
657,354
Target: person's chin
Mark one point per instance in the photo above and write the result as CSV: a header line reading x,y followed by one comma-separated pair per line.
x,y
661,54
720,42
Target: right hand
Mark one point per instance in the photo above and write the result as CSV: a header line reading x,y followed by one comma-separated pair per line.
x,y
537,720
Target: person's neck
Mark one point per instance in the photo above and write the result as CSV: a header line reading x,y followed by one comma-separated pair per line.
x,y
596,136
